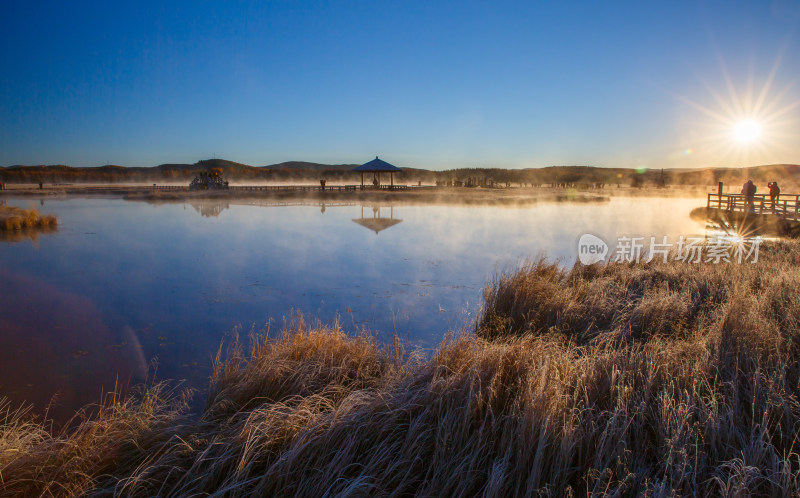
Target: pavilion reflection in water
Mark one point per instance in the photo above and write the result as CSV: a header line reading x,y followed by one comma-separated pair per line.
x,y
377,222
210,209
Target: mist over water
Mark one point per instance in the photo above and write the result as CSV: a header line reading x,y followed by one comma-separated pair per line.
x,y
121,283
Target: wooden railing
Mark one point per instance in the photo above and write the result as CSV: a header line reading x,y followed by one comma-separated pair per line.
x,y
170,187
301,188
785,205
292,188
70,187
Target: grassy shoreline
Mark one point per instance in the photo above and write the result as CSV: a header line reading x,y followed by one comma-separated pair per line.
x,y
656,379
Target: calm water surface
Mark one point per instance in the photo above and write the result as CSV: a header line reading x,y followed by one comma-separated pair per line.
x,y
124,286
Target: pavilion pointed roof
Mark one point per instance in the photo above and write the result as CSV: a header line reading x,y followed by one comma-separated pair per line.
x,y
377,165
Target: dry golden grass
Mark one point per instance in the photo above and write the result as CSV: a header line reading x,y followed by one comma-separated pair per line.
x,y
619,380
13,218
636,301
36,460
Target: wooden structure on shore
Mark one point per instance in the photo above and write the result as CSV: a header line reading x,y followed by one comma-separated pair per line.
x,y
297,188
759,214
786,206
208,180
376,167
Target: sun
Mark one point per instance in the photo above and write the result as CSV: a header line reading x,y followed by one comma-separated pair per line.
x,y
750,118
747,131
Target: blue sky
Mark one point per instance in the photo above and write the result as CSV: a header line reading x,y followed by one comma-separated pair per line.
x,y
426,84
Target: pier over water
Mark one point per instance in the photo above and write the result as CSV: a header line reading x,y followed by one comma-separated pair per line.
x,y
786,206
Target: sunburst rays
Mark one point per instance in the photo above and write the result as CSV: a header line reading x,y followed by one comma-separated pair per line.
x,y
752,123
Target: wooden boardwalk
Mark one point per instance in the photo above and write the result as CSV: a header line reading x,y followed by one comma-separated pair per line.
x,y
786,206
302,188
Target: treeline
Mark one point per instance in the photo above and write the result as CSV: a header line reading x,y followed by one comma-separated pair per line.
x,y
788,174
536,176
295,171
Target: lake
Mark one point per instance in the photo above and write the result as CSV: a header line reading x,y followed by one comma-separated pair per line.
x,y
125,288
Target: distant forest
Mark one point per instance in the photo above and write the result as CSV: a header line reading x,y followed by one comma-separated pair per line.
x,y
787,175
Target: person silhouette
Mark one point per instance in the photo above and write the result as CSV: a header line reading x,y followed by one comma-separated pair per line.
x,y
749,191
774,194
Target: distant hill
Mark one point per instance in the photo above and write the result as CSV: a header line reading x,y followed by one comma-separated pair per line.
x,y
311,166
177,173
787,175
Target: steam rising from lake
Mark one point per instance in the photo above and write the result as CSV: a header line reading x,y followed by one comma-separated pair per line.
x,y
171,280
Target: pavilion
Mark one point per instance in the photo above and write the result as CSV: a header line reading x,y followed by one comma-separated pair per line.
x,y
376,167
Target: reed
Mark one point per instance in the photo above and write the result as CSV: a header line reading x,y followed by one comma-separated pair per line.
x,y
14,218
638,301
658,380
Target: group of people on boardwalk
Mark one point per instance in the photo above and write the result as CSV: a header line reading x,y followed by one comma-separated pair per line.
x,y
749,191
